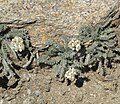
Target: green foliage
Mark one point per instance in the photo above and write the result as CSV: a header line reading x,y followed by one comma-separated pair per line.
x,y
97,48
94,47
9,57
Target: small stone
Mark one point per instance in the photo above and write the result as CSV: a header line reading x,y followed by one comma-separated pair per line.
x,y
48,79
37,93
1,101
29,100
79,97
47,88
25,77
41,100
63,92
28,91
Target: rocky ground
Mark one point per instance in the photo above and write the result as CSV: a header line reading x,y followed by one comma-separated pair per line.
x,y
52,18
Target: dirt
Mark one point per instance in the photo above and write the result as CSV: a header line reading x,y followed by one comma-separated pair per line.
x,y
50,19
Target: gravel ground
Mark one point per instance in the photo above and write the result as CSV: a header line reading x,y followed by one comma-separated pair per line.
x,y
52,18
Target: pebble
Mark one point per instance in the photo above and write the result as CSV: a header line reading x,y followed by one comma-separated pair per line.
x,y
41,100
79,97
28,91
29,100
37,93
47,87
1,101
48,79
25,77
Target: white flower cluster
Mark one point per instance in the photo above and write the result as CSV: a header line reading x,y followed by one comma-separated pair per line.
x,y
17,44
74,44
70,74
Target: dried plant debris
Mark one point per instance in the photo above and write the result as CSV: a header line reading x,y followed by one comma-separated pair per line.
x,y
15,51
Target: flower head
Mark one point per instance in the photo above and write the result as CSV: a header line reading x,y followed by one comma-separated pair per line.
x,y
17,44
70,74
74,44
